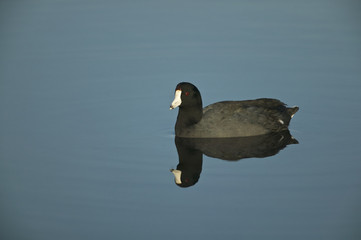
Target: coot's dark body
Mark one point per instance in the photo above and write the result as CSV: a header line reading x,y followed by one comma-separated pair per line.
x,y
228,118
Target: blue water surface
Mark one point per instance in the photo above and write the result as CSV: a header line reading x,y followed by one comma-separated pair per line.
x,y
87,138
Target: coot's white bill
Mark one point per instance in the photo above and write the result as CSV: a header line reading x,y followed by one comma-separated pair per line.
x,y
177,100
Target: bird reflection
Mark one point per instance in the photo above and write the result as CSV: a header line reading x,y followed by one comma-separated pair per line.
x,y
191,150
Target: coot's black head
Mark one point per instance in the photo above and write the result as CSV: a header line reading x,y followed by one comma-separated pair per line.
x,y
186,96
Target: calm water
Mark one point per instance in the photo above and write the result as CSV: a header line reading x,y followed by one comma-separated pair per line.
x,y
87,137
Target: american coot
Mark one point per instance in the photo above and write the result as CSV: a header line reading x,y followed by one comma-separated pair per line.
x,y
227,118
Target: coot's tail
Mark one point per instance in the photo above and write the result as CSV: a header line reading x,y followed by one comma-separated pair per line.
x,y
291,111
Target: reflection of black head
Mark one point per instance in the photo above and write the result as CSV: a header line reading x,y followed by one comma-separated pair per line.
x,y
190,164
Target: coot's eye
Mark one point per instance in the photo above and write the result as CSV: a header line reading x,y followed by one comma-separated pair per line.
x,y
186,93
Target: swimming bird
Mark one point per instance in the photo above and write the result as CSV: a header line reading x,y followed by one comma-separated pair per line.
x,y
227,118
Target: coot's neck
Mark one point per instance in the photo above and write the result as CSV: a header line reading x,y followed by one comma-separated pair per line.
x,y
188,116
